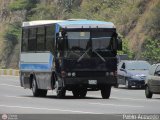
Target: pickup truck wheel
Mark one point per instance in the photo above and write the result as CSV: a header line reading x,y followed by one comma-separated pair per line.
x,y
105,91
148,93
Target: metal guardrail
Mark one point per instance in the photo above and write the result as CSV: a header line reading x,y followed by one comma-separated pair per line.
x,y
12,72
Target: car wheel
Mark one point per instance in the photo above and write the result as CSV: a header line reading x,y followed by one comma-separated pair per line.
x,y
127,85
148,93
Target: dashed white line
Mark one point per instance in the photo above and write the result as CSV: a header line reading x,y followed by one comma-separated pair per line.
x,y
18,97
9,76
49,109
135,99
115,105
3,84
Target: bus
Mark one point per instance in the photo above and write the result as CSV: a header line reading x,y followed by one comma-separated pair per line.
x,y
69,55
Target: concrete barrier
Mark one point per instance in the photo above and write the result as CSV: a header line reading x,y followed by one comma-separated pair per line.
x,y
12,72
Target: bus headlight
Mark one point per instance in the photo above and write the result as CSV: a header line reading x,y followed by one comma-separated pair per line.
x,y
69,74
73,74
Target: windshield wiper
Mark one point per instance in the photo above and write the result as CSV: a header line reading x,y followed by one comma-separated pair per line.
x,y
81,57
101,49
102,58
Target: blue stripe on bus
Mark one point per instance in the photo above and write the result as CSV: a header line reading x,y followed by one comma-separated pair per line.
x,y
35,67
57,28
38,66
50,59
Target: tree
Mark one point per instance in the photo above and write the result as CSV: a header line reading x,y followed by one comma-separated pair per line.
x,y
125,48
151,50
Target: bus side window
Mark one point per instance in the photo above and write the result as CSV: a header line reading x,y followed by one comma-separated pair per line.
x,y
50,37
40,39
32,39
24,40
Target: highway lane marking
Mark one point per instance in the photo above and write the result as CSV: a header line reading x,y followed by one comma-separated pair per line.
x,y
132,99
9,76
49,109
3,84
148,100
17,97
116,105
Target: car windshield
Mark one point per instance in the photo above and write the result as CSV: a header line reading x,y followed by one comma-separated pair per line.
x,y
138,65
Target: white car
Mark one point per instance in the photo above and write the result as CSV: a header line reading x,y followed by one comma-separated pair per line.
x,y
152,83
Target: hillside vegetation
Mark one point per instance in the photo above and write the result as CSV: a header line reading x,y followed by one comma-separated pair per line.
x,y
137,22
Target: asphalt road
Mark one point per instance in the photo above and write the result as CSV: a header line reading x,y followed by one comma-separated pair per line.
x,y
16,100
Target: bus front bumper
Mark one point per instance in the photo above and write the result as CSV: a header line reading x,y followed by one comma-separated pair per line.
x,y
110,80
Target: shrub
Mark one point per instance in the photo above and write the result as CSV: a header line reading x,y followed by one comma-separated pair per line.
x,y
151,50
13,33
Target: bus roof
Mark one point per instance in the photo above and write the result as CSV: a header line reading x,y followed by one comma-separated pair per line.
x,y
40,22
86,24
82,23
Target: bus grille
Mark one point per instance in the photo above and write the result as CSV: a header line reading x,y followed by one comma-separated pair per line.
x,y
90,74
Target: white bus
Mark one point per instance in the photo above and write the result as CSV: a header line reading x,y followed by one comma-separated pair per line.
x,y
75,55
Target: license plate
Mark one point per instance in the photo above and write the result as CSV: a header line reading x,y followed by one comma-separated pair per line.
x,y
92,82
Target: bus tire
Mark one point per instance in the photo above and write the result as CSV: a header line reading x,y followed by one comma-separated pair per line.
x,y
37,92
79,93
61,93
105,91
42,93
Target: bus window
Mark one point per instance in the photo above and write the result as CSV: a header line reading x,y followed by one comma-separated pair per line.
x,y
40,39
25,40
50,37
32,39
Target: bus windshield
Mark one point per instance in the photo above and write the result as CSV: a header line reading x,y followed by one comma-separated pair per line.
x,y
98,40
78,40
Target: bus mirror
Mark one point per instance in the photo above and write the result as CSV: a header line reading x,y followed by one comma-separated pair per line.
x,y
119,45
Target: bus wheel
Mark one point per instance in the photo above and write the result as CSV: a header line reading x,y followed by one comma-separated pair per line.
x,y
61,92
43,93
37,92
116,86
79,93
105,91
35,88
